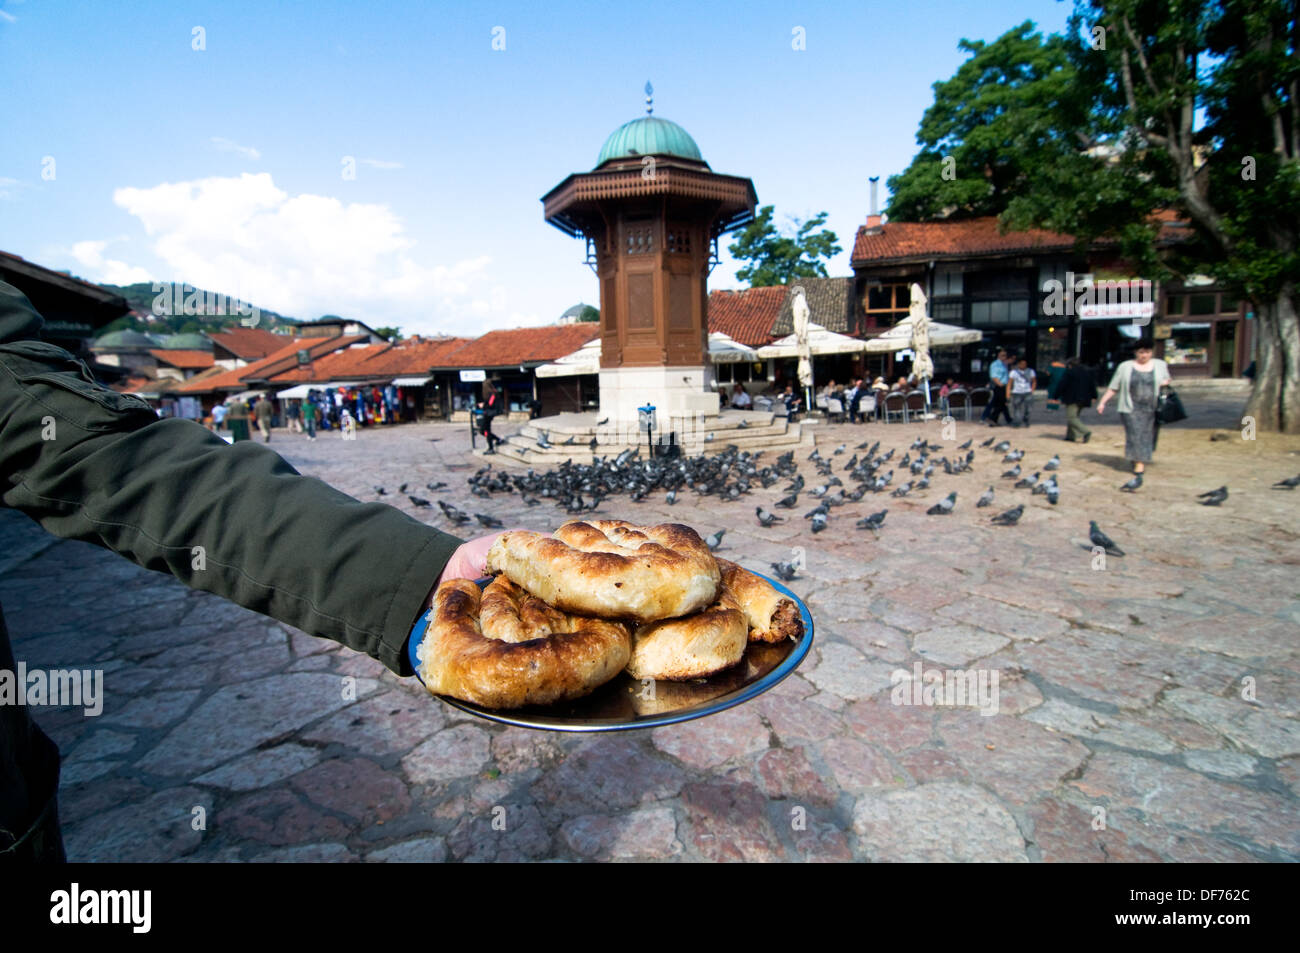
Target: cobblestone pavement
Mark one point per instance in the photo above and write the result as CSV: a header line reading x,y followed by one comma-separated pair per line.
x,y
1147,711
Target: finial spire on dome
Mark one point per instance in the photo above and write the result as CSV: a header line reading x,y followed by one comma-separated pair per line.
x,y
649,98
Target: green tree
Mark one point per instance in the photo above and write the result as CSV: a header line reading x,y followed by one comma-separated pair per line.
x,y
1008,110
588,313
1149,77
776,259
389,334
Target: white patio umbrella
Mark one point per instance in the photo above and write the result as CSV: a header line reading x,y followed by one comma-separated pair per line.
x,y
724,349
922,365
800,313
585,360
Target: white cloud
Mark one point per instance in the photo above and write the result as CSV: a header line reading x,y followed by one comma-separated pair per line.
x,y
8,17
226,145
307,255
90,254
381,164
8,187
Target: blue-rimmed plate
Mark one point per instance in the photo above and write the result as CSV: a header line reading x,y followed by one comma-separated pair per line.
x,y
625,703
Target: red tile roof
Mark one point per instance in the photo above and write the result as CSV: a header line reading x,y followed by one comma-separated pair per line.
x,y
521,345
269,367
248,344
899,241
746,315
134,385
183,359
411,357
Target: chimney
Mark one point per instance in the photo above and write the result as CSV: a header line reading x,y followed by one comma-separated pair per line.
x,y
873,219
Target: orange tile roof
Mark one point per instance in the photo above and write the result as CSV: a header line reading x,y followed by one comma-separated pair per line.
x,y
521,345
248,344
270,366
133,385
746,315
975,236
411,357
182,358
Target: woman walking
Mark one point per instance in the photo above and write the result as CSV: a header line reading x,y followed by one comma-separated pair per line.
x,y
1138,383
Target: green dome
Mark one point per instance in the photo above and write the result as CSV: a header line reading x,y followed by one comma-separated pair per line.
x,y
649,136
189,341
127,339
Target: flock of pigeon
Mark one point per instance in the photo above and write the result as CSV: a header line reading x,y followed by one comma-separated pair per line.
x,y
732,474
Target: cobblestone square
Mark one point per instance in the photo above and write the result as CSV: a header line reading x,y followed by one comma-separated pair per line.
x,y
1146,711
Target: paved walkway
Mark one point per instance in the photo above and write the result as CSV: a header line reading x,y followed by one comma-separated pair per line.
x,y
1147,711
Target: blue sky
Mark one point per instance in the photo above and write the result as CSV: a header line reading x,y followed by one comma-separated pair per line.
x,y
129,155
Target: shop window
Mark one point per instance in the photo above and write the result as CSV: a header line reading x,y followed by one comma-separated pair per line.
x,y
1188,343
1204,304
886,305
1176,305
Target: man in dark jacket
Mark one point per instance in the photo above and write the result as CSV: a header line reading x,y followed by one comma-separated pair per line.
x,y
89,463
1076,391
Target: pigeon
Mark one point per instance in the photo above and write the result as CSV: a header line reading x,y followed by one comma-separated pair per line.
x,y
922,484
1132,485
820,491
1214,497
491,522
1002,447
903,490
1010,517
819,522
1014,456
985,498
1028,482
601,423
840,449
765,518
1288,484
824,509
944,506
785,571
1012,473
988,442
417,501
456,516
788,502
529,500
569,442
543,440
1041,488
402,488
671,497
874,521
714,541
742,425
1099,538
592,445
1053,493
709,438
966,445
796,484
1053,463
381,491
435,486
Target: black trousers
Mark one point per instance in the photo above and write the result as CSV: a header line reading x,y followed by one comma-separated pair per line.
x,y
29,782
999,405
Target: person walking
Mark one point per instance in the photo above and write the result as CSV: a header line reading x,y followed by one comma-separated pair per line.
x,y
263,413
491,405
999,383
1023,380
218,417
1138,382
1077,389
309,412
293,413
238,420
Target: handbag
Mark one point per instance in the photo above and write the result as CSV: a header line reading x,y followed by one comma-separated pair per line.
x,y
1170,408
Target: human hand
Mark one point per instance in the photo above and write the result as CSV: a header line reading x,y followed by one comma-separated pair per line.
x,y
1101,407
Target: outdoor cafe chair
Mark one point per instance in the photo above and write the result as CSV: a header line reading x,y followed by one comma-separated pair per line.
x,y
895,406
835,409
958,400
980,397
914,405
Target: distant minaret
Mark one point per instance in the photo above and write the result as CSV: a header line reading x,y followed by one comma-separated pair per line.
x,y
649,98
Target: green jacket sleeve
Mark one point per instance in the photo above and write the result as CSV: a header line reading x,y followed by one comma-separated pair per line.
x,y
88,463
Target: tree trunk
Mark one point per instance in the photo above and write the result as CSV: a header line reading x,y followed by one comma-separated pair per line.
x,y
1275,400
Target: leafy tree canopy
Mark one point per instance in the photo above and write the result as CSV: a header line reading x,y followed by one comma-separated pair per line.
x,y
776,259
